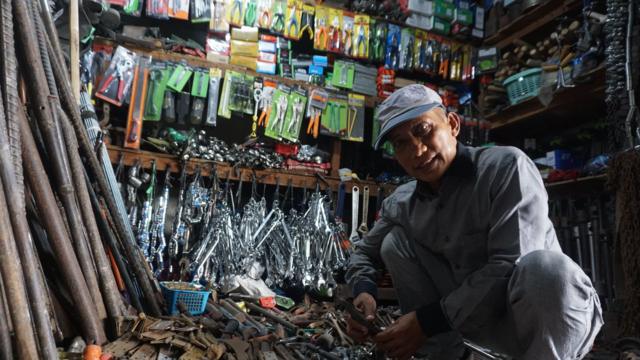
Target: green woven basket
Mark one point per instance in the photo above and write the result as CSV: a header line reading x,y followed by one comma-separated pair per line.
x,y
523,85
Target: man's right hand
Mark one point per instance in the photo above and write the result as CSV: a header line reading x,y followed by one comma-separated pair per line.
x,y
367,305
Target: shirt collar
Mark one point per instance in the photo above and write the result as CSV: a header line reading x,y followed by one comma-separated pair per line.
x,y
461,167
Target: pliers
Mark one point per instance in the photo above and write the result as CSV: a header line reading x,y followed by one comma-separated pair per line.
x,y
321,35
334,35
281,111
250,13
236,9
118,75
296,115
277,24
306,23
293,23
361,43
314,122
348,39
265,18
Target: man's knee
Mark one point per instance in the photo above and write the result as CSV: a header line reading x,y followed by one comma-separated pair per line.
x,y
549,280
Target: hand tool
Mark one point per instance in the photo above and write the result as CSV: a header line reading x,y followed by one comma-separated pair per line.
x,y
281,110
136,106
277,24
363,228
351,119
355,201
348,38
293,22
250,13
236,9
296,116
321,38
358,317
317,103
263,120
212,101
306,23
334,35
117,77
257,97
361,42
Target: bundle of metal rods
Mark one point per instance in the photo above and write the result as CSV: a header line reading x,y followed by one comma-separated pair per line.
x,y
66,254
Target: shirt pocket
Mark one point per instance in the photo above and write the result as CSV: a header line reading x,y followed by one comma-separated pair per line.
x,y
473,251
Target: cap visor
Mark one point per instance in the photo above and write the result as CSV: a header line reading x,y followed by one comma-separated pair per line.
x,y
406,116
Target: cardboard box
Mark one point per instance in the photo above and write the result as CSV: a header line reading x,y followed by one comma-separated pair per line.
x,y
423,7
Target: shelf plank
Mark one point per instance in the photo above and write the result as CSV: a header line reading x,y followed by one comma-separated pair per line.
x,y
531,20
267,176
567,104
581,184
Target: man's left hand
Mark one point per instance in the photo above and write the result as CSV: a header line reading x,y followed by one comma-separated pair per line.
x,y
403,338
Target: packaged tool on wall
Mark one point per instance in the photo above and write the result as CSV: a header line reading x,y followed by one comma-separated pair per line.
x,y
235,12
361,35
445,59
284,58
317,103
407,46
179,78
169,107
355,118
158,78
215,76
292,19
137,103
250,13
321,35
179,9
469,58
223,107
378,39
295,114
347,36
263,102
392,49
218,48
264,14
278,12
200,11
183,106
279,107
307,20
219,21
455,64
241,94
333,121
132,7
199,89
158,9
343,74
420,50
334,32
116,82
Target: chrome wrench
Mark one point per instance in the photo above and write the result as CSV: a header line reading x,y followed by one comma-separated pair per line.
x,y
355,202
363,228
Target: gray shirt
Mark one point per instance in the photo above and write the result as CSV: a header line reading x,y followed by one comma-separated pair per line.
x,y
490,210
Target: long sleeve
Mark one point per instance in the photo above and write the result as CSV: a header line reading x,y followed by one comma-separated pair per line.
x,y
518,224
361,273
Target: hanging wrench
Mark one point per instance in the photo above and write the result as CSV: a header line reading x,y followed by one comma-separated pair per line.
x,y
355,201
363,228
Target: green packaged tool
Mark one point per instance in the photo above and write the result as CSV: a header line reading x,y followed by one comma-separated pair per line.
x,y
241,94
334,116
158,78
199,87
179,78
343,74
355,118
215,77
295,114
279,107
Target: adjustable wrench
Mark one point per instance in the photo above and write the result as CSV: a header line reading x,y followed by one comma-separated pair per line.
x,y
355,200
363,228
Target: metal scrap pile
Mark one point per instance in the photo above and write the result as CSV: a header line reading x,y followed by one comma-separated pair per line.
x,y
226,331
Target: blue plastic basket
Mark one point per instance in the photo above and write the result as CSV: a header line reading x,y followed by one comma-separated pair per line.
x,y
523,85
195,300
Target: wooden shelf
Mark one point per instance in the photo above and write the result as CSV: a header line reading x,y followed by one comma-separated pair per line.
x,y
582,184
267,176
569,106
161,54
530,21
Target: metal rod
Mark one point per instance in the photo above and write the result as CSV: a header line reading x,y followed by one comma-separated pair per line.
x,y
74,48
271,316
6,348
54,225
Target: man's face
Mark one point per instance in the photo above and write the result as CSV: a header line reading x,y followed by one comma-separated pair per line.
x,y
426,145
